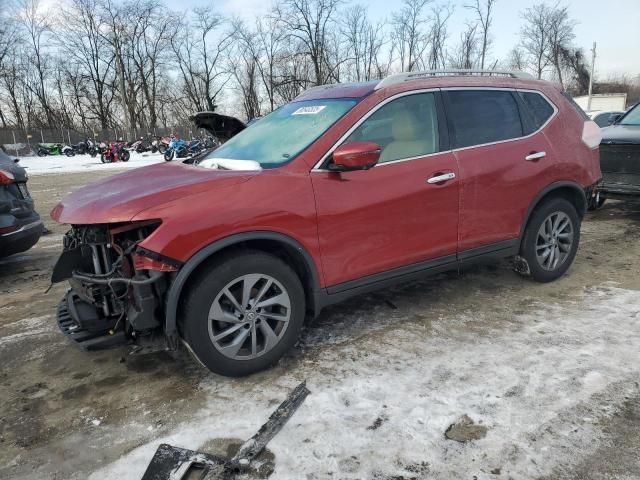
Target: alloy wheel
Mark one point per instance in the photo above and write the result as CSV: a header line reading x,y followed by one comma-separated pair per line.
x,y
249,316
554,241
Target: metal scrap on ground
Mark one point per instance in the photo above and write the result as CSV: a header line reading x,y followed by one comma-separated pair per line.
x,y
174,463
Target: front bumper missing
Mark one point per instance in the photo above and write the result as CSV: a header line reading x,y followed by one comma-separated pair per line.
x,y
84,331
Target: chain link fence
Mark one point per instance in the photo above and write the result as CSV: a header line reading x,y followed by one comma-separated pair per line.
x,y
23,143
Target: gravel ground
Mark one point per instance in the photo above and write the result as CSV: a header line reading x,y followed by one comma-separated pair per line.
x,y
549,374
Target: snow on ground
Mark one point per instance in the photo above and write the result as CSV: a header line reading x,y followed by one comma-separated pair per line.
x,y
83,163
380,403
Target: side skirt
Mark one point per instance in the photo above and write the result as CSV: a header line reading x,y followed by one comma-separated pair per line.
x,y
416,271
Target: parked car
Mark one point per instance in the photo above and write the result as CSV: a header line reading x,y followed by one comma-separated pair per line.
x,y
620,158
604,119
347,189
20,225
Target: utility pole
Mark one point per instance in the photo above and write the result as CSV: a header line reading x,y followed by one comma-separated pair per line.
x,y
593,66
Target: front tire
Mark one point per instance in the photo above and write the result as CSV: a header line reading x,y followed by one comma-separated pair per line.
x,y
125,155
551,239
243,313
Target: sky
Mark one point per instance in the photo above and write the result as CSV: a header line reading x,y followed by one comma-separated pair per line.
x,y
612,24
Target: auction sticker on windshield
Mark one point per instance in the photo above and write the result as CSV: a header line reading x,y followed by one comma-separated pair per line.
x,y
310,110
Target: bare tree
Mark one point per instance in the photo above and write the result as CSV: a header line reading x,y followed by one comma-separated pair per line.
x,y
466,52
516,59
484,11
364,41
83,43
37,28
535,36
560,37
409,37
437,36
309,23
201,48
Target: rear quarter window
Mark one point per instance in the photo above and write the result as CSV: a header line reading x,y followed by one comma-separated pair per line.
x,y
483,116
539,109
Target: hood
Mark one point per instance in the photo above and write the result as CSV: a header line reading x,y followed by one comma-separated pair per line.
x,y
220,126
122,197
621,134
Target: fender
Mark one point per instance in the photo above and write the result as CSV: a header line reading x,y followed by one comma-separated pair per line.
x,y
577,188
173,297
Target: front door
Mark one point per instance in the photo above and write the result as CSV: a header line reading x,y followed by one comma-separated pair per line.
x,y
396,214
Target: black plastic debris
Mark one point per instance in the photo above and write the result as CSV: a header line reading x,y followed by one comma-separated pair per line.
x,y
174,463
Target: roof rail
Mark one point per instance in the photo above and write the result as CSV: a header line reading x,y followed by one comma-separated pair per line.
x,y
403,77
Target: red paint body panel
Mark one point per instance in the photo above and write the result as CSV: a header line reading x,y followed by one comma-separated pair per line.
x,y
384,218
122,197
270,201
498,186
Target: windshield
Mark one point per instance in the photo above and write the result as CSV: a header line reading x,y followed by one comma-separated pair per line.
x,y
283,134
632,117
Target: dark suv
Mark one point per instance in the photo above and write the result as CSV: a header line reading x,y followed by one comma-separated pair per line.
x,y
20,225
347,189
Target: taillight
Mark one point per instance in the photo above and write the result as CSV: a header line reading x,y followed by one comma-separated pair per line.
x,y
12,228
591,134
6,178
141,262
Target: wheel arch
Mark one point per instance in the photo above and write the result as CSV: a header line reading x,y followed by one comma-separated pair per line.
x,y
275,243
571,191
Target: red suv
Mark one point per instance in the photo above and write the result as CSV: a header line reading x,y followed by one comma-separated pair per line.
x,y
347,189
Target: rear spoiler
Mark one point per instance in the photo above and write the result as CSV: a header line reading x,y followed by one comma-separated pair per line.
x,y
220,126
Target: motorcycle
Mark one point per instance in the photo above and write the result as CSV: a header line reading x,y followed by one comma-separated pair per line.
x,y
182,148
97,149
45,149
115,152
82,148
141,146
160,144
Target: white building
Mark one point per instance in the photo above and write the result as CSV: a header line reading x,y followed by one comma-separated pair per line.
x,y
603,102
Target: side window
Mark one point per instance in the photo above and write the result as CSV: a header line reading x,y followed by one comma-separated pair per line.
x,y
539,109
483,116
404,128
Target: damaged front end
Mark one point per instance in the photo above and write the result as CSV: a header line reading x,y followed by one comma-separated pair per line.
x,y
118,289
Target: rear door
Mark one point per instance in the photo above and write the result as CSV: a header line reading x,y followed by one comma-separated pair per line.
x,y
504,158
390,216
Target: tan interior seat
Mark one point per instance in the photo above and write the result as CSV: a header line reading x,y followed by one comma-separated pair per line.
x,y
408,141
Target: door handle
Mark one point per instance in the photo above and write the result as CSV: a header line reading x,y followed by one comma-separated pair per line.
x,y
535,156
442,178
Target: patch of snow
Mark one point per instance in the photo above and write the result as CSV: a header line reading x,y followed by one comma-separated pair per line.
x,y
57,164
538,384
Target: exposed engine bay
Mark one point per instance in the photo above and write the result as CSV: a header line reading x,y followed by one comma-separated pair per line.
x,y
117,288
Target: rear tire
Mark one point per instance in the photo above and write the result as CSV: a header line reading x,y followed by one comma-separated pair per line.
x,y
250,337
104,158
551,239
125,155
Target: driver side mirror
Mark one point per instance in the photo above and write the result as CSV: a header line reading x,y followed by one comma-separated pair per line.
x,y
355,156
